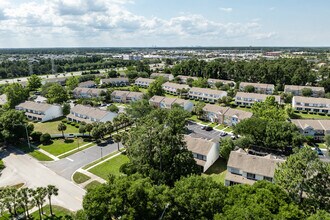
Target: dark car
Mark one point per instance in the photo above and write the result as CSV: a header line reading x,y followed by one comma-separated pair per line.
x,y
319,152
208,128
223,134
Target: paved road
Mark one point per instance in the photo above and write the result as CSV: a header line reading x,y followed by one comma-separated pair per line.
x,y
23,168
195,130
67,166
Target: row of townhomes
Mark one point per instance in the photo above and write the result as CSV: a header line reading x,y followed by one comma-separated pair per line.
x,y
121,81
143,82
212,82
87,84
87,92
167,103
224,115
247,99
81,113
167,77
310,104
125,96
174,88
313,128
40,111
244,168
205,94
258,87
297,90
205,152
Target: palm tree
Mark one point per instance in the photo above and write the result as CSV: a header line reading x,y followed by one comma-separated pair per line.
x,y
117,122
61,127
25,200
117,139
51,190
39,195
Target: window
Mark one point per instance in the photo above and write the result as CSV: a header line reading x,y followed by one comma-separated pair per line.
x,y
268,178
235,171
251,176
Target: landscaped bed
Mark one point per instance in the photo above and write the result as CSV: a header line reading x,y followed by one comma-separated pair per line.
x,y
111,166
60,146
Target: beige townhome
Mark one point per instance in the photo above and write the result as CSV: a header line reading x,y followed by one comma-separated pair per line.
x,y
126,96
258,87
212,82
313,128
297,90
167,102
81,113
87,92
174,88
319,105
247,99
167,77
244,168
143,82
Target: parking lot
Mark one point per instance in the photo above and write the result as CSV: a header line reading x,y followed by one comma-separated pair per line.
x,y
195,130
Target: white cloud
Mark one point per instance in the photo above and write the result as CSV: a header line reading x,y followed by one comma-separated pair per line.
x,y
61,22
226,9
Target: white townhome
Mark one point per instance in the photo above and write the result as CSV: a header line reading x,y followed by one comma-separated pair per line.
x,y
205,152
173,88
40,111
143,82
319,105
87,92
126,96
258,87
204,94
167,77
183,79
244,168
212,82
297,90
313,128
121,81
247,99
81,113
166,102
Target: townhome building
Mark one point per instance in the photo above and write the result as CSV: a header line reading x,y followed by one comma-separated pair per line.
x,y
318,105
183,79
258,87
87,84
212,82
81,113
234,116
297,90
126,96
244,168
313,128
167,77
87,92
143,82
247,99
205,152
214,113
205,94
174,88
40,111
167,102
59,80
3,100
121,81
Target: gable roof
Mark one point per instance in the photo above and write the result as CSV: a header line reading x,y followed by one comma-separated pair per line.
x,y
198,145
315,124
35,106
215,109
90,111
134,94
257,85
295,87
87,83
264,166
120,93
175,85
112,80
144,80
238,113
256,96
220,80
311,100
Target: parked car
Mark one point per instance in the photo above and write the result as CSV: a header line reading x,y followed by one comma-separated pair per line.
x,y
319,152
223,134
208,128
233,137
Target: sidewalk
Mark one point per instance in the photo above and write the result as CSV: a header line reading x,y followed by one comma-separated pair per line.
x,y
92,178
48,154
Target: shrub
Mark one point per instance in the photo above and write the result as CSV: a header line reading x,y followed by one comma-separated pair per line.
x,y
36,135
65,120
45,138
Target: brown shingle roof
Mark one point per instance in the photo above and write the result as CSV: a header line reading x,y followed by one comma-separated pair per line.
x,y
198,145
144,80
315,124
134,94
264,166
87,83
113,80
156,98
120,93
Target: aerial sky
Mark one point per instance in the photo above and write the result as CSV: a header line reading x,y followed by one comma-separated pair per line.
x,y
159,23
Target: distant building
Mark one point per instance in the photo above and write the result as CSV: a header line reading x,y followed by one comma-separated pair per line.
x,y
314,128
3,100
81,113
166,76
258,87
40,111
87,92
247,99
244,168
87,84
205,152
121,81
183,79
318,105
297,90
166,102
204,94
212,82
173,88
126,96
59,80
143,82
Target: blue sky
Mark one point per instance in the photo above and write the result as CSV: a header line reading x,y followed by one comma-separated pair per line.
x,y
115,23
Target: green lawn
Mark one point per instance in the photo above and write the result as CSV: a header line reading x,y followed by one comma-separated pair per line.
x,y
32,152
77,150
58,211
51,127
229,129
99,160
80,177
244,109
111,166
2,166
311,116
220,127
92,184
60,146
217,171
195,119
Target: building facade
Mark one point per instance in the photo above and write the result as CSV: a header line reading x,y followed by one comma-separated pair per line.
x,y
309,104
166,102
313,128
247,99
258,87
81,113
174,88
204,94
143,82
317,92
